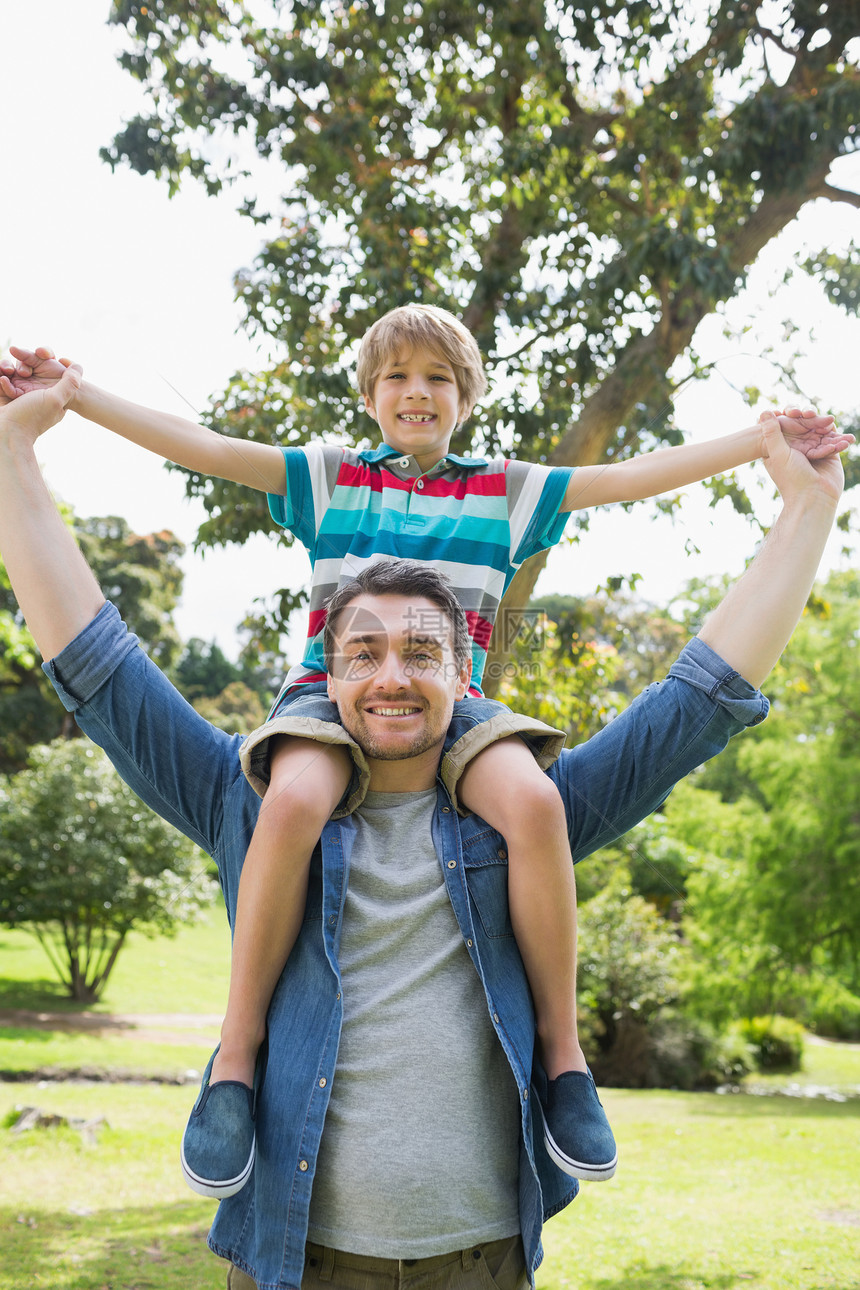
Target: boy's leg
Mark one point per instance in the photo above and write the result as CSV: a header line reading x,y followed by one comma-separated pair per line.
x,y
307,782
505,786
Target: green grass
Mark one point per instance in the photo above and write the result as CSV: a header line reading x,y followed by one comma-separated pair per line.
x,y
713,1192
188,973
114,1214
718,1193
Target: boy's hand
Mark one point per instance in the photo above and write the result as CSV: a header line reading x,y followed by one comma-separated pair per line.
x,y
813,435
35,369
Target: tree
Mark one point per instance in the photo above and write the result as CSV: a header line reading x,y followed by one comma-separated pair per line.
x,y
143,577
141,574
774,901
83,862
583,184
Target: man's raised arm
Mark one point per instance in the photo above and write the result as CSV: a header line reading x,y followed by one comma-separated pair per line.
x,y
52,582
753,624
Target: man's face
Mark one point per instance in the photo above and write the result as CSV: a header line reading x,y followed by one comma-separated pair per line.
x,y
395,681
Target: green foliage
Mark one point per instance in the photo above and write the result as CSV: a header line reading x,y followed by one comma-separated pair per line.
x,y
583,184
237,709
776,1042
141,575
831,1009
82,862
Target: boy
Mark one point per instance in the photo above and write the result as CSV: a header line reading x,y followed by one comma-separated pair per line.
x,y
420,374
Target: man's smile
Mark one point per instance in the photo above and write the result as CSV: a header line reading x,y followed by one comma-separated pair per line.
x,y
389,710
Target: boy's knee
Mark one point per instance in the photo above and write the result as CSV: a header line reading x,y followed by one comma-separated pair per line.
x,y
537,805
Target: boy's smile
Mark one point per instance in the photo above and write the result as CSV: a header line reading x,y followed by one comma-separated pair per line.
x,y
417,404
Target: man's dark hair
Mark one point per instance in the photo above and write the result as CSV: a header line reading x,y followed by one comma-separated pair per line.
x,y
405,578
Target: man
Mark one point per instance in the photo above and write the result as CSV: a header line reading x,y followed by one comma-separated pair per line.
x,y
395,1134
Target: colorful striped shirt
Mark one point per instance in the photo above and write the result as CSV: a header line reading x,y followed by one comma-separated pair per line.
x,y
474,519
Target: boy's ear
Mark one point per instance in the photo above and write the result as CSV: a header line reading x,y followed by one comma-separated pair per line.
x,y
369,406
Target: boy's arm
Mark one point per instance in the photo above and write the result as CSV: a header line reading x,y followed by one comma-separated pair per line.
x,y
256,465
667,469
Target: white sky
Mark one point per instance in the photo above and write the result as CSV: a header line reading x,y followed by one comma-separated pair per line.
x,y
105,268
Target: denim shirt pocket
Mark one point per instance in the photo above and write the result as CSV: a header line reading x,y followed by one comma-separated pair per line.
x,y
485,861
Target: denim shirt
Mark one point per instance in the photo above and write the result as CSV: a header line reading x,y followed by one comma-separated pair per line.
x,y
189,773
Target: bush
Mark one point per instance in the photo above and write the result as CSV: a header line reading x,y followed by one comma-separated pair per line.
x,y
776,1042
832,1010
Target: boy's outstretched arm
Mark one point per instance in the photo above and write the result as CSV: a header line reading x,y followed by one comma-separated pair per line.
x,y
667,469
753,624
255,465
55,588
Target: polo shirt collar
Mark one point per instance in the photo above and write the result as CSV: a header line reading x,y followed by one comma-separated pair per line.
x,y
372,456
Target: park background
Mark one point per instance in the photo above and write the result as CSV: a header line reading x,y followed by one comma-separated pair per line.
x,y
106,268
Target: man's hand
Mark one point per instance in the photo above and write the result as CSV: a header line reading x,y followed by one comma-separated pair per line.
x,y
35,369
796,463
813,435
33,412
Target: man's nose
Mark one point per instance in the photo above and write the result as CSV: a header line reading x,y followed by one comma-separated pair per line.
x,y
391,673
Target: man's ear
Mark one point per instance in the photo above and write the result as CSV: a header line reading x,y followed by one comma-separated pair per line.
x,y
330,687
463,680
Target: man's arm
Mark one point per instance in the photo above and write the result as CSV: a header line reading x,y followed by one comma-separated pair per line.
x,y
667,469
753,624
54,586
256,465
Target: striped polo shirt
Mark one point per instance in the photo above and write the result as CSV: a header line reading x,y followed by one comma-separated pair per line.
x,y
474,519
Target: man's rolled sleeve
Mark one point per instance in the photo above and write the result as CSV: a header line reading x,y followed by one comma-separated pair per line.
x,y
88,661
698,665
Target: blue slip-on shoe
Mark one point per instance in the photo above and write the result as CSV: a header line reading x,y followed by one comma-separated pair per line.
x,y
576,1132
219,1142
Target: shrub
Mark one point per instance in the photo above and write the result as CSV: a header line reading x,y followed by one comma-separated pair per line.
x,y
776,1042
832,1010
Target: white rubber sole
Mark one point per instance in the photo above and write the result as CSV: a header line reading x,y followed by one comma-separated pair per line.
x,y
576,1168
216,1190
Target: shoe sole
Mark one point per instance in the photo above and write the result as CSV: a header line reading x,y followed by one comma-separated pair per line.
x,y
576,1168
217,1190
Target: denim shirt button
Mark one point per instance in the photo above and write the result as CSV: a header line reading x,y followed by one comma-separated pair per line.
x,y
502,853
452,864
303,1165
323,1082
469,942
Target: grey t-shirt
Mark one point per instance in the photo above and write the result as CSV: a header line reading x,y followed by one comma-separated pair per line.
x,y
420,1147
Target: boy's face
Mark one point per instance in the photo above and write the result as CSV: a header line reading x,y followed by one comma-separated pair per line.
x,y
417,404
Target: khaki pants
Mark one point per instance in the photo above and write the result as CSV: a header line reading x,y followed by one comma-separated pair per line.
x,y
498,1265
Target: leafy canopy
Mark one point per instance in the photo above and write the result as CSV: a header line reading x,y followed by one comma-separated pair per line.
x,y
581,183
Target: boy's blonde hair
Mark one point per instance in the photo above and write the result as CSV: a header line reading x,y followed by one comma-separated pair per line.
x,y
398,332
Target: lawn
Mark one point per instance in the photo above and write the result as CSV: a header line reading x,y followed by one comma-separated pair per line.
x,y
716,1192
